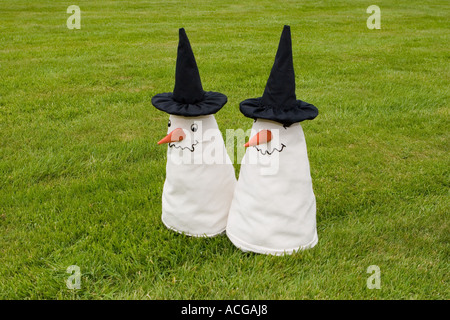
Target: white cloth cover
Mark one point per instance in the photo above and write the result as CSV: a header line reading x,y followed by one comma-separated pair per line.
x,y
274,208
200,179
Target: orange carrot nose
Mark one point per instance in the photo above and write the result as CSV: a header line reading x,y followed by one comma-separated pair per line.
x,y
174,136
263,136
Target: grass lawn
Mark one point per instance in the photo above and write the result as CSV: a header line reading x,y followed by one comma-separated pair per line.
x,y
81,175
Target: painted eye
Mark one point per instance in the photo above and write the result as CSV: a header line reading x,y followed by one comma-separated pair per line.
x,y
194,127
169,124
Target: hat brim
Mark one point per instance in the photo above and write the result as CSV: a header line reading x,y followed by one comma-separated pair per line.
x,y
302,110
211,103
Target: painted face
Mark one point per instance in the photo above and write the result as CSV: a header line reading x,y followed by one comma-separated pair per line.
x,y
274,149
185,133
268,137
195,140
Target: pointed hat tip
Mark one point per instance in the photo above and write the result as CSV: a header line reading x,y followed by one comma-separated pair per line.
x,y
188,85
285,36
280,87
286,30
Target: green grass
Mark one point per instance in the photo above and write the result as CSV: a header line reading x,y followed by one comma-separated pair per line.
x,y
81,175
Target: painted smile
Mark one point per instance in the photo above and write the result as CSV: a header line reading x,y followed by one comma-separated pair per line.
x,y
264,152
191,149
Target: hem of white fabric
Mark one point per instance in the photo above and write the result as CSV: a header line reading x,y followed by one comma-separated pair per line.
x,y
202,235
244,246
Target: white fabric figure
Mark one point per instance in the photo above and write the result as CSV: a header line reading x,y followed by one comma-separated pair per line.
x,y
274,207
200,178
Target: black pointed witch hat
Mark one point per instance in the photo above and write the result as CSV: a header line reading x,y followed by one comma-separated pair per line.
x,y
279,102
188,97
